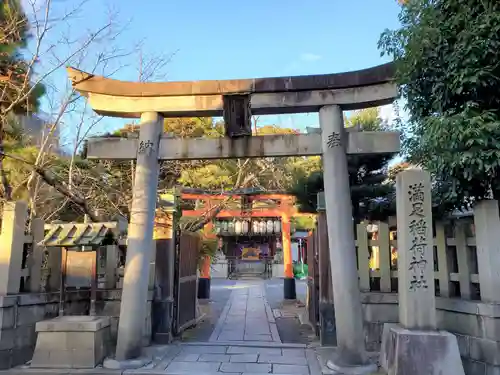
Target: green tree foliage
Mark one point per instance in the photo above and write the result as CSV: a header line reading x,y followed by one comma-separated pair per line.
x,y
266,173
372,197
17,94
305,223
447,54
15,71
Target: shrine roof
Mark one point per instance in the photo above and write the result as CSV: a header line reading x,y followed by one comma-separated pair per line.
x,y
89,83
81,234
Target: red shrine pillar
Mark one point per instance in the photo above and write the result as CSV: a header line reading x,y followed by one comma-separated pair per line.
x,y
204,279
289,290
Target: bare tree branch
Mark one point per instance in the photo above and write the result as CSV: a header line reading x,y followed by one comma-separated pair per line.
x,y
50,179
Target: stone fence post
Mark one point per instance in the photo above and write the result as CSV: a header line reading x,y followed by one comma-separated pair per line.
x,y
12,239
487,225
36,258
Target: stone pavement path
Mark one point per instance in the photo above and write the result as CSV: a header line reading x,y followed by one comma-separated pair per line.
x,y
216,359
246,317
245,341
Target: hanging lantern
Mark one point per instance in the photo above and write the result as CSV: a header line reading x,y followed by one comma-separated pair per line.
x,y
237,227
217,227
230,227
277,226
224,226
269,226
244,226
262,227
255,226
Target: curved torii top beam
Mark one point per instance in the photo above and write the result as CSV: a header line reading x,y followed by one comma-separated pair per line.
x,y
351,90
88,83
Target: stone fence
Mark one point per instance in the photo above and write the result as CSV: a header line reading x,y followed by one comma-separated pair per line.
x,y
30,283
466,276
456,271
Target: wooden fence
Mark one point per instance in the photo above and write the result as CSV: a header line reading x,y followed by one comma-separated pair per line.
x,y
28,267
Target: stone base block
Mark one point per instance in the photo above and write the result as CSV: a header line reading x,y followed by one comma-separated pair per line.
x,y
278,270
408,352
219,270
203,288
162,321
289,289
72,342
129,364
332,362
339,369
328,329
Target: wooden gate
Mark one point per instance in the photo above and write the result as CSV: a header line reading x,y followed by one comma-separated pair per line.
x,y
320,293
185,281
313,280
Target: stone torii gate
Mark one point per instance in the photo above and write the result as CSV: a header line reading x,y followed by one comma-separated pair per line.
x,y
237,100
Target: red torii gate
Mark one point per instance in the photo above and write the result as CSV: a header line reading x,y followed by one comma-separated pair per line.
x,y
285,210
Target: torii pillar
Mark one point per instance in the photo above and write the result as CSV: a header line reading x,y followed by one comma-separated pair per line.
x,y
351,352
140,239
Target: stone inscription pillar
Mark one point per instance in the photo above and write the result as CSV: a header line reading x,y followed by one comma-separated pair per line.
x,y
417,302
415,346
344,273
140,240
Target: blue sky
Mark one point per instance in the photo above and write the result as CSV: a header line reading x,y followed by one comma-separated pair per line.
x,y
223,39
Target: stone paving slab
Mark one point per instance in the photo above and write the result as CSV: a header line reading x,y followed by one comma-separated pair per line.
x,y
290,369
192,367
214,358
246,367
253,350
283,359
190,357
244,358
201,349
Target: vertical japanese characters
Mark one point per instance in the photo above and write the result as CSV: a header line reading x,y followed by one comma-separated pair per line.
x,y
418,231
333,140
145,147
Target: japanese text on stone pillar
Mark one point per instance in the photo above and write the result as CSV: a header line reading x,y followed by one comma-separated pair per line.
x,y
418,232
145,147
